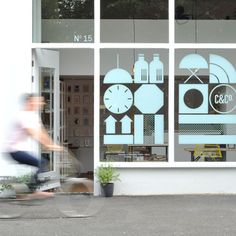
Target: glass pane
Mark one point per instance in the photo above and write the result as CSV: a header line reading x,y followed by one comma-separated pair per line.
x,y
206,21
65,21
134,105
138,21
205,114
47,114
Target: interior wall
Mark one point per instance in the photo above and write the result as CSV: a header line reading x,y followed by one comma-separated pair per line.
x,y
76,61
80,116
144,31
64,30
205,31
80,61
67,30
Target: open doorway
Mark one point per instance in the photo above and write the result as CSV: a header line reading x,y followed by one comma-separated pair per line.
x,y
77,113
65,77
77,98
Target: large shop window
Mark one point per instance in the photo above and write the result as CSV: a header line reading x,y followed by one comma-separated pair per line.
x,y
138,84
205,88
209,21
134,105
135,21
67,21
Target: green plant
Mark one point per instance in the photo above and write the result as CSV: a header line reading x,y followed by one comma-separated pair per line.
x,y
107,174
5,186
25,179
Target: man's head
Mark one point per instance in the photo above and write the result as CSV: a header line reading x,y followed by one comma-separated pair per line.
x,y
33,101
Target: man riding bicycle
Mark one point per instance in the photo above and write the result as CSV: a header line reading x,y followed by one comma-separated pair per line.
x,y
28,125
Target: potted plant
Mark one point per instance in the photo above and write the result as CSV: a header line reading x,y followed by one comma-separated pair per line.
x,y
106,175
9,186
6,190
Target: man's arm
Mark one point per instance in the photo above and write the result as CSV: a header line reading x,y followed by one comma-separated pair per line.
x,y
40,134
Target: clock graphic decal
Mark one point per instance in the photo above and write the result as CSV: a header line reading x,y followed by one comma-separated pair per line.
x,y
118,98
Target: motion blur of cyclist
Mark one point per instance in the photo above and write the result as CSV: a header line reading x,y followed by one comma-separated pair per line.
x,y
27,126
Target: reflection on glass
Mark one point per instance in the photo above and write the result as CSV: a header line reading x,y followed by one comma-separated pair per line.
x,y
203,10
64,9
137,9
134,21
210,21
66,21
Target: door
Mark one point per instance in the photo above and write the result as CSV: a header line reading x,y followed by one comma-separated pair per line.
x,y
45,81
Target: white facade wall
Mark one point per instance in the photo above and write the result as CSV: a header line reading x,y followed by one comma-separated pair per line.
x,y
15,61
16,78
150,181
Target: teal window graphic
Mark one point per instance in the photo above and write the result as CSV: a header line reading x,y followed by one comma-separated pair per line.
x,y
118,98
135,103
208,107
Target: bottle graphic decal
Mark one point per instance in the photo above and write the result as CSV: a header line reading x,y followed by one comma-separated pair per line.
x,y
156,70
141,70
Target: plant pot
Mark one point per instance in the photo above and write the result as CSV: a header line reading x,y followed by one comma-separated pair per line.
x,y
6,193
107,189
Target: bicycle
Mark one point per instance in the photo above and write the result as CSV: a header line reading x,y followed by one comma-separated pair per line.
x,y
69,205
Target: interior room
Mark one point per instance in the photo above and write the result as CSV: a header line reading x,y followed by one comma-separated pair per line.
x,y
76,72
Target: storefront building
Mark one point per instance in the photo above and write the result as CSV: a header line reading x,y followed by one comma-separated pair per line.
x,y
147,85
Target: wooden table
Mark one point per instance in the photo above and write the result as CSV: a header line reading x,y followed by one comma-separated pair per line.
x,y
128,152
149,146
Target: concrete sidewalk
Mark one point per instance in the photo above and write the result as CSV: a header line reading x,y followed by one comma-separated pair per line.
x,y
212,215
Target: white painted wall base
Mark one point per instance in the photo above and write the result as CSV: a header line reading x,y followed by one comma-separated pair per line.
x,y
175,181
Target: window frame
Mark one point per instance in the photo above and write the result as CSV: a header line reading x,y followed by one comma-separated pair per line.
x,y
171,45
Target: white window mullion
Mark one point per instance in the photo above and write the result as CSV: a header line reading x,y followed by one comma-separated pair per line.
x,y
96,84
171,95
36,21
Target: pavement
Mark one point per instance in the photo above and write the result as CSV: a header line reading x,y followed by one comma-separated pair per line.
x,y
85,215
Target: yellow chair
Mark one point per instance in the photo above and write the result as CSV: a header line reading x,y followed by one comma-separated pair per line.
x,y
211,151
